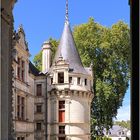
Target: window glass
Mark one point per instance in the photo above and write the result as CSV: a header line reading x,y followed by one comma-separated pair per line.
x,y
20,107
85,82
39,108
70,80
61,129
78,80
51,80
38,126
39,90
61,104
61,77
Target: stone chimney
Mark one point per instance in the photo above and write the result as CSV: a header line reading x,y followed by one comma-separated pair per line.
x,y
46,56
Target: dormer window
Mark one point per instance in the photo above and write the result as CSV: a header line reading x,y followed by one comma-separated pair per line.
x,y
61,77
78,80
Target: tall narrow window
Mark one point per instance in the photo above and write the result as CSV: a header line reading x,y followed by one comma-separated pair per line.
x,y
51,81
18,68
78,80
85,82
70,80
39,90
38,126
20,107
23,71
61,77
61,111
39,108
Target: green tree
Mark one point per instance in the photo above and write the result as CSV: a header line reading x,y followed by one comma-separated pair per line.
x,y
38,58
122,123
109,50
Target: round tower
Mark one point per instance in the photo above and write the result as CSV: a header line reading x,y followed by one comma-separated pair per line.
x,y
70,92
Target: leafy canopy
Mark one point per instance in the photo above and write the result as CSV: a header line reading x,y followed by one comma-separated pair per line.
x,y
109,50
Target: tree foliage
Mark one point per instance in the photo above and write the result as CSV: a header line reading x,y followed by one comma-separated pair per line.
x,y
122,123
109,50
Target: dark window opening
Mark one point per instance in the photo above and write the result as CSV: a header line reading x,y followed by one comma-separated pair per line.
x,y
39,90
62,138
51,80
70,80
85,82
20,108
61,104
78,80
61,111
38,126
18,72
61,77
61,129
39,108
20,138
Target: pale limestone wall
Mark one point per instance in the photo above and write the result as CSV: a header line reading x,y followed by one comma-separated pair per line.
x,y
6,125
40,117
24,89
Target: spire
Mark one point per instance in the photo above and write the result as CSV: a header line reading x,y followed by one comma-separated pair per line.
x,y
67,48
67,14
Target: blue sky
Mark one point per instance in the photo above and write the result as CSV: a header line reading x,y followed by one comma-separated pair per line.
x,y
42,19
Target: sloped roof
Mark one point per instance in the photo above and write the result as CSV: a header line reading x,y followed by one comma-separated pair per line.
x,y
34,70
114,131
68,51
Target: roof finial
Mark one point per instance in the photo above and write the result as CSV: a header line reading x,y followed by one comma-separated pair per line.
x,y
67,14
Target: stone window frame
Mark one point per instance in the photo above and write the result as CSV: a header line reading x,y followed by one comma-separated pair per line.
x,y
21,107
70,80
39,110
38,93
38,126
61,77
21,69
78,80
62,129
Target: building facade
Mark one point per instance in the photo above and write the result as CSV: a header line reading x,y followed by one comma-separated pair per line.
x,y
53,104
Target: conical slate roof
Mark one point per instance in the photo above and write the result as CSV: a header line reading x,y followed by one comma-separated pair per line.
x,y
67,49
